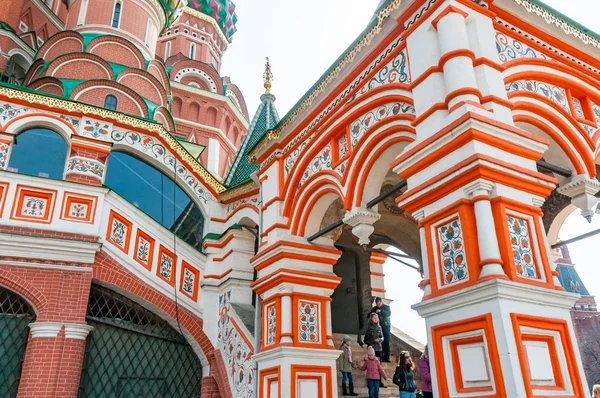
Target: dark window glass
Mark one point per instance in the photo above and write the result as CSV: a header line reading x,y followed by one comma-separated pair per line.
x,y
116,15
110,102
157,195
39,152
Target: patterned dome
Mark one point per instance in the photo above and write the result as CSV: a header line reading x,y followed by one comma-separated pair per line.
x,y
173,9
223,11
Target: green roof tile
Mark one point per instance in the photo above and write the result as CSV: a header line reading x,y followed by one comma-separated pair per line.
x,y
265,118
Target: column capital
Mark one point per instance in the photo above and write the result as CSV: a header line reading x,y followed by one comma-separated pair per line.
x,y
77,331
45,329
361,220
480,187
581,189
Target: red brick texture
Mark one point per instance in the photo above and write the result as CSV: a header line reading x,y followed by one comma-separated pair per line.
x,y
209,389
52,367
109,270
47,234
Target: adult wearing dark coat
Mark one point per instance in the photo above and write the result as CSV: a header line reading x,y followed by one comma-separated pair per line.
x,y
384,312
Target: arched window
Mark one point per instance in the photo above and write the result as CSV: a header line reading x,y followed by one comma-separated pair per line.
x,y
82,12
39,152
110,102
155,194
15,316
167,50
192,50
131,352
116,15
211,117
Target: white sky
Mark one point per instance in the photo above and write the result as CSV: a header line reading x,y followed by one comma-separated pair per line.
x,y
303,39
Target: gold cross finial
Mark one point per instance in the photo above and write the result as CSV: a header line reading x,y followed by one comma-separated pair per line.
x,y
268,77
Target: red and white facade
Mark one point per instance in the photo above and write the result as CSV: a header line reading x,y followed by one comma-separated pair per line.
x,y
458,98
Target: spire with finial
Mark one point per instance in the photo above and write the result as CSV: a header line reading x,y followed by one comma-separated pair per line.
x,y
268,77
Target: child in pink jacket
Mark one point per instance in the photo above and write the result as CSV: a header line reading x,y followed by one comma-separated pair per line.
x,y
375,372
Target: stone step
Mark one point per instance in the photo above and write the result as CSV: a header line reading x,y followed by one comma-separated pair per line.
x,y
360,380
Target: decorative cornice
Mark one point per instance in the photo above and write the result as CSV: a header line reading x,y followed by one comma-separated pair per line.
x,y
322,85
76,107
210,20
238,191
553,19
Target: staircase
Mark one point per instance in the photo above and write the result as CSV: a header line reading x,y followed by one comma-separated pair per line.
x,y
360,380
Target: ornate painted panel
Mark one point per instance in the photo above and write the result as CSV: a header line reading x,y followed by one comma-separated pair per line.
x,y
554,93
237,353
510,49
119,231
95,129
4,150
308,322
166,265
363,123
190,277
271,310
451,248
83,166
34,204
320,162
144,249
521,244
79,208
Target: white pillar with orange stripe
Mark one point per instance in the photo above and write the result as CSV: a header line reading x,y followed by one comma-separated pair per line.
x,y
297,358
377,274
498,320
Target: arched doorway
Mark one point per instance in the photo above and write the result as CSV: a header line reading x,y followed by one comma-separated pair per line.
x,y
133,353
15,316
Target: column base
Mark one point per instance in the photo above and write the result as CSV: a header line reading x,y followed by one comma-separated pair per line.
x,y
504,338
297,372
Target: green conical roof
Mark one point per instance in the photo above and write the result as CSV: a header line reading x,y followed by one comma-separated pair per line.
x,y
265,118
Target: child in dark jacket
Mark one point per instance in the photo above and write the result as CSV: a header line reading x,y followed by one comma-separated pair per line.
x,y
346,366
375,372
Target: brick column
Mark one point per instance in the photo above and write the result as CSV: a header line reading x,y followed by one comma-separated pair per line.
x,y
53,360
209,388
87,161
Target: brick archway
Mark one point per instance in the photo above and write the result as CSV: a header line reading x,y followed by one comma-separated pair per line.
x,y
109,271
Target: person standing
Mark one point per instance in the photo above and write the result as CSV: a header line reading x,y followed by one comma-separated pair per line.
x,y
425,371
404,376
384,312
375,372
346,366
374,338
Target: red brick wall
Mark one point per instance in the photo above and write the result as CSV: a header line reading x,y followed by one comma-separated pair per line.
x,y
52,367
109,270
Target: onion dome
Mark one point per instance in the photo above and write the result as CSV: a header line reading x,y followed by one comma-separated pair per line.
x,y
222,11
173,10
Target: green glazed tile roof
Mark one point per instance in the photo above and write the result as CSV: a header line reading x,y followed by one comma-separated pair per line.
x,y
570,280
265,118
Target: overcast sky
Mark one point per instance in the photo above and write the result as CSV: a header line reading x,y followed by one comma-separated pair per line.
x,y
302,39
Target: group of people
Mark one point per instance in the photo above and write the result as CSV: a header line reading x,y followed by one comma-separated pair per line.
x,y
377,337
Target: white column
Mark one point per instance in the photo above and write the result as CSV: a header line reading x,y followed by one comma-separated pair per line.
x,y
214,150
489,251
286,314
329,327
